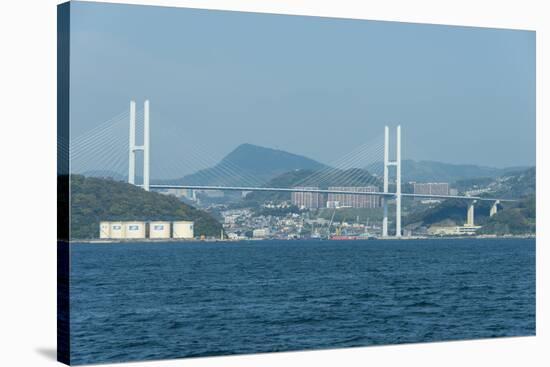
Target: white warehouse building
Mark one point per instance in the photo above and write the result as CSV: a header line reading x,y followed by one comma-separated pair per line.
x,y
117,230
159,230
104,230
183,229
260,232
134,230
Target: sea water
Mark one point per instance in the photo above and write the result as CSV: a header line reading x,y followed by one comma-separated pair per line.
x,y
148,301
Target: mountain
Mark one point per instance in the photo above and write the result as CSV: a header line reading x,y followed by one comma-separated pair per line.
x,y
95,199
431,171
249,164
268,162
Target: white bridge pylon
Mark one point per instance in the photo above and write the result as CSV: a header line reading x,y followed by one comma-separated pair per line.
x,y
397,164
133,148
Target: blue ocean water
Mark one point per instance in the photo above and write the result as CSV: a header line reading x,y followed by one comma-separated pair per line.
x,y
169,300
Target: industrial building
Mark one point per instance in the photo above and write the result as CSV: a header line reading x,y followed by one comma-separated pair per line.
x,y
104,230
453,230
138,230
260,233
134,230
112,230
159,230
183,229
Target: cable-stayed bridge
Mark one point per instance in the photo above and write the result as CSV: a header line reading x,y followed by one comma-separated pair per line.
x,y
113,146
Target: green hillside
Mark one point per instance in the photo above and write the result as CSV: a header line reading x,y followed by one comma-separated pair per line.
x,y
518,185
96,199
431,171
448,211
519,218
512,218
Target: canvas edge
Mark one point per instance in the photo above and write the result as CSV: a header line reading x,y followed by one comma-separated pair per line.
x,y
63,191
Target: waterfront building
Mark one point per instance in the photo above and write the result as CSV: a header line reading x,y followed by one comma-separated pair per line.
x,y
104,230
183,229
117,230
260,233
134,230
112,230
129,230
453,230
159,230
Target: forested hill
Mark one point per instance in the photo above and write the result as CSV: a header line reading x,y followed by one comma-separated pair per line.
x,y
97,199
517,217
431,171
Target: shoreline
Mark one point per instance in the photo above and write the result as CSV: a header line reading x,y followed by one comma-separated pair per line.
x,y
211,240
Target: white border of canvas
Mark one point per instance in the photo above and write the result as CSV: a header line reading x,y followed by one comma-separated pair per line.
x,y
27,182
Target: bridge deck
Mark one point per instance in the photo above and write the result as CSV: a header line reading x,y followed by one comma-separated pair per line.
x,y
321,191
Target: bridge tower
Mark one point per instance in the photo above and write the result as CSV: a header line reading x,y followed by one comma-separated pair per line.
x,y
133,148
387,164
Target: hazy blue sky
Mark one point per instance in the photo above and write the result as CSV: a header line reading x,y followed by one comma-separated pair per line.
x,y
309,85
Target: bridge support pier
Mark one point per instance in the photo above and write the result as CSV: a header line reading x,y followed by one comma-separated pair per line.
x,y
494,208
470,214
